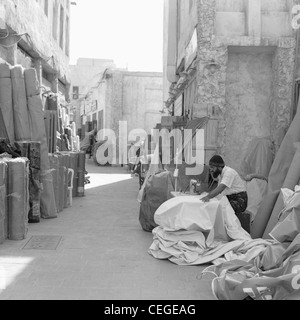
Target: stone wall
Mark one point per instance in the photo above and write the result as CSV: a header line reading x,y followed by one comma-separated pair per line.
x,y
211,78
248,102
142,100
283,66
245,71
187,24
28,16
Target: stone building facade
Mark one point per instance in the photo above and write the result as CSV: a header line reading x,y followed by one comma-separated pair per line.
x,y
85,78
35,33
236,62
106,95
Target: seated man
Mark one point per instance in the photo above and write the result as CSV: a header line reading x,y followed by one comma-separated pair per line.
x,y
230,184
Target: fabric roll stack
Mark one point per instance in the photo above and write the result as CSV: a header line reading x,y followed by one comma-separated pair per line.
x,y
54,167
18,197
60,179
6,101
3,132
74,165
291,180
20,109
81,174
66,163
61,182
32,151
38,133
276,179
3,202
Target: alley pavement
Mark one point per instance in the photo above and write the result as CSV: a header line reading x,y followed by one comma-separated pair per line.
x,y
96,250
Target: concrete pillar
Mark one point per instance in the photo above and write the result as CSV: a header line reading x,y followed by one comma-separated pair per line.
x,y
254,18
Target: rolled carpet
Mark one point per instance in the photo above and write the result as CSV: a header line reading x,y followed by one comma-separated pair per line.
x,y
291,180
3,202
18,197
20,109
276,178
6,101
38,133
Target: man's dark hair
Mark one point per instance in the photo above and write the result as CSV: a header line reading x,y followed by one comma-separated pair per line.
x,y
217,161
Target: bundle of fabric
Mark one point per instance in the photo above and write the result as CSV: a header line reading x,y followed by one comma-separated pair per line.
x,y
37,132
259,157
291,180
288,226
54,167
32,151
61,182
157,190
7,148
6,103
283,173
3,202
3,132
191,232
66,165
274,274
17,197
20,107
81,174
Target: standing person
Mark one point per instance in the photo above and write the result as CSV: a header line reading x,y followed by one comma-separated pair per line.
x,y
92,140
137,161
230,184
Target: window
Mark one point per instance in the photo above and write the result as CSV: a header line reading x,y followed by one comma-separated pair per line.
x,y
75,93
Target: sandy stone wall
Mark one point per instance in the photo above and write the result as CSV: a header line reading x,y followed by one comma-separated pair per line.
x,y
27,16
283,68
248,102
211,79
248,79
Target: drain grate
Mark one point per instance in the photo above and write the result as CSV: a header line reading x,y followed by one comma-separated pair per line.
x,y
43,243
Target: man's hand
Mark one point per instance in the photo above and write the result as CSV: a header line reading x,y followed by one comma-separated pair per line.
x,y
205,199
248,177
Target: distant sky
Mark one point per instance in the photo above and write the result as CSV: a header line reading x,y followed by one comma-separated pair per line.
x,y
130,32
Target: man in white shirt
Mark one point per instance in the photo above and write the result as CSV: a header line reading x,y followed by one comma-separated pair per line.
x,y
230,185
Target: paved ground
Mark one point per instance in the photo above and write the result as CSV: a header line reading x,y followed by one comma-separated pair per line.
x,y
102,255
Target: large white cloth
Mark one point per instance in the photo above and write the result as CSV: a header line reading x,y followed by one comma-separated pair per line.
x,y
193,232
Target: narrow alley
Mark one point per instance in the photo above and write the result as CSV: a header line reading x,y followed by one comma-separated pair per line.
x,y
96,250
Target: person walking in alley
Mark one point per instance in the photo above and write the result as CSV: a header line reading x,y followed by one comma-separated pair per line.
x,y
230,184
